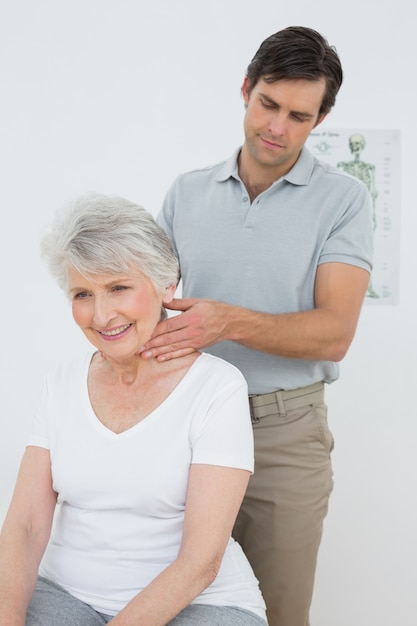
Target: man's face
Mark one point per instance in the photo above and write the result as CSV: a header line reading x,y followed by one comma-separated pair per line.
x,y
278,121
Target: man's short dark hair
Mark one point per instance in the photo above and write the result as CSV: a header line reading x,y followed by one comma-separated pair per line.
x,y
298,52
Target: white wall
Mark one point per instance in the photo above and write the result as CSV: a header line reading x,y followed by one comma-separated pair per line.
x,y
121,96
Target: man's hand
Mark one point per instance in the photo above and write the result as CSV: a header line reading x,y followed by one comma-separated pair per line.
x,y
202,323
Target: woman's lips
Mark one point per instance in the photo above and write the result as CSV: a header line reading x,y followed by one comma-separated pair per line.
x,y
114,333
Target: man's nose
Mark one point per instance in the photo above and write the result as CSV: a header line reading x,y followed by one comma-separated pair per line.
x,y
278,124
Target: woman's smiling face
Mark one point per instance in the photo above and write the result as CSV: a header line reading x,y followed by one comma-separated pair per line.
x,y
117,313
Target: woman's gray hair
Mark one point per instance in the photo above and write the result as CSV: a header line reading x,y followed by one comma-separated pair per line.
x,y
98,234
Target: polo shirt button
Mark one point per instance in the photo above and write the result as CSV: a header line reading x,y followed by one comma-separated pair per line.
x,y
245,199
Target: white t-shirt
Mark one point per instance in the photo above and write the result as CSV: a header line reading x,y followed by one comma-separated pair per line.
x,y
122,496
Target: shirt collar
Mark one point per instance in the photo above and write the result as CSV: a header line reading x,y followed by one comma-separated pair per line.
x,y
299,174
229,168
301,171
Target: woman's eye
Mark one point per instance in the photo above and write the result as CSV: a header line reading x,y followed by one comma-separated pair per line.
x,y
81,295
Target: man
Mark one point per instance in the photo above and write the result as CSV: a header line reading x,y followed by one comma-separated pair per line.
x,y
275,254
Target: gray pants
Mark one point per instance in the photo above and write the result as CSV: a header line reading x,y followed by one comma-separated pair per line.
x,y
52,605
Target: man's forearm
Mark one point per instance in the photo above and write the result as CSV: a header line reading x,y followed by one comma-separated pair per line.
x,y
315,334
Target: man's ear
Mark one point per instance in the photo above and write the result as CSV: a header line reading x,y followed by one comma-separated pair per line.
x,y
169,294
245,90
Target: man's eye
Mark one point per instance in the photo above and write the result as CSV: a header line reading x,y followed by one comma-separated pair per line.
x,y
299,118
119,287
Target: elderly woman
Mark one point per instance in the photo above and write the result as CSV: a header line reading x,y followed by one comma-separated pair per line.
x,y
148,461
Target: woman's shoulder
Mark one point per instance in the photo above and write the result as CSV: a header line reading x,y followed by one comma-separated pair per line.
x,y
70,368
218,368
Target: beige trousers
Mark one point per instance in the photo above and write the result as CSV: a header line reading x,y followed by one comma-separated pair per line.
x,y
280,522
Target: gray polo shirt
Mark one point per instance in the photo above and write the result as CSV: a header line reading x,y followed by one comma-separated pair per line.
x,y
264,255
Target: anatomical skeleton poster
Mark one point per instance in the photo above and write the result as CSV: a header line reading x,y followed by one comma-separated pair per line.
x,y
373,156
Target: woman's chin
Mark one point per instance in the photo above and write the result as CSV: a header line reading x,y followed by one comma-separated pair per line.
x,y
121,356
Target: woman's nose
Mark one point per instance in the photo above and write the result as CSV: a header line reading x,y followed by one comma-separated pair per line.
x,y
103,312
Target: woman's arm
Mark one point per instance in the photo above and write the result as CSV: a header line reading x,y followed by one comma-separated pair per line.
x,y
24,535
213,499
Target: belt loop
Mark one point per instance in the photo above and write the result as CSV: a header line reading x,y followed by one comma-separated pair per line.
x,y
281,403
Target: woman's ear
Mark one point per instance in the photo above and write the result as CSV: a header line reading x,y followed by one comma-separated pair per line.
x,y
169,294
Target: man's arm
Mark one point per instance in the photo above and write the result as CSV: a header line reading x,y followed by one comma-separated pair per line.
x,y
322,333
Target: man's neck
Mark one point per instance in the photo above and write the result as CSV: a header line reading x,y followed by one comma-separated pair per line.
x,y
257,177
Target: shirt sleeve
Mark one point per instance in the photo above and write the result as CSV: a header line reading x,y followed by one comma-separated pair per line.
x,y
351,239
166,216
223,435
